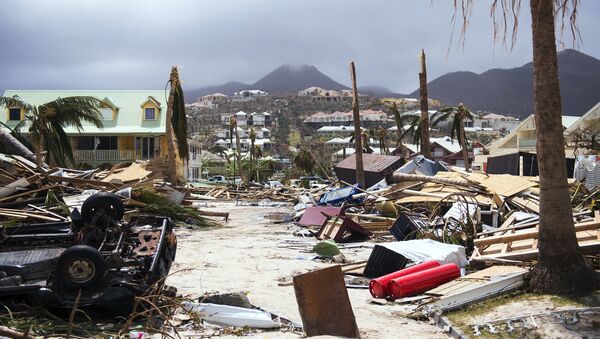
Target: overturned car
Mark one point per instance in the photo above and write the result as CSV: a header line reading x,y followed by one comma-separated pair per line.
x,y
97,255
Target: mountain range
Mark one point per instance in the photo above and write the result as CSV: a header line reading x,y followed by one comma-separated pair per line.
x,y
502,91
510,91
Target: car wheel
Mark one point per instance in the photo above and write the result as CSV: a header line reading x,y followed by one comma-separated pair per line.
x,y
110,203
80,267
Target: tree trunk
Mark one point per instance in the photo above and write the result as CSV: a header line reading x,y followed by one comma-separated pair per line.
x,y
238,147
14,145
360,172
170,165
425,148
463,142
561,267
251,164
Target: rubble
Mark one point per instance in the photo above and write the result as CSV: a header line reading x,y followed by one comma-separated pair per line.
x,y
479,230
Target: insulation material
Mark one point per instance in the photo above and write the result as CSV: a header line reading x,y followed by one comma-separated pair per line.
x,y
426,249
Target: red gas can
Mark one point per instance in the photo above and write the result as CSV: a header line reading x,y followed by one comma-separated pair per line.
x,y
379,286
419,282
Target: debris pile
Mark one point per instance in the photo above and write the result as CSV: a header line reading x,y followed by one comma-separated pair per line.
x,y
89,239
440,238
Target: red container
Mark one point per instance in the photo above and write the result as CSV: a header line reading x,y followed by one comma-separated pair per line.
x,y
379,286
419,282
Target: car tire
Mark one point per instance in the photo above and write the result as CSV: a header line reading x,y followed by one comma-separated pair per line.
x,y
80,267
110,203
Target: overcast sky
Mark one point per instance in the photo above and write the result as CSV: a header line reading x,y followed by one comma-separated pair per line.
x,y
117,44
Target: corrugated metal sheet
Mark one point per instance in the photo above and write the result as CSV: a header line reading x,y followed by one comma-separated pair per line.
x,y
372,162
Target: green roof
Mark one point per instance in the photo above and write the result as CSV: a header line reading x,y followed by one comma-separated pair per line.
x,y
129,117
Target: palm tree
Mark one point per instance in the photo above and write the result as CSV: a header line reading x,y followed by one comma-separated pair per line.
x,y
304,161
47,122
381,137
360,169
252,135
411,128
232,127
238,147
424,105
561,267
176,126
402,120
457,115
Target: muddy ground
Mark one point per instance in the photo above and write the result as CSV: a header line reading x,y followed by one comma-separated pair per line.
x,y
251,255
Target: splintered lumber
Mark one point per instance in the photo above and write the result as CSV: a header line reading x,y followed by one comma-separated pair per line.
x,y
500,239
324,304
47,212
12,197
399,177
527,204
24,214
78,181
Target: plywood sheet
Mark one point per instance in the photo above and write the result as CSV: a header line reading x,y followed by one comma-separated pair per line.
x,y
324,304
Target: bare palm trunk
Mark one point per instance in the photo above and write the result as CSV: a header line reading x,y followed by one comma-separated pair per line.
x,y
238,147
251,165
425,148
360,172
170,166
38,152
15,146
561,267
463,142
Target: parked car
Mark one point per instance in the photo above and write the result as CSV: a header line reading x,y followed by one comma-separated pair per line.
x,y
273,184
218,179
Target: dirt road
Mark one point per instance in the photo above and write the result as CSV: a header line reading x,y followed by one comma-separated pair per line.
x,y
249,255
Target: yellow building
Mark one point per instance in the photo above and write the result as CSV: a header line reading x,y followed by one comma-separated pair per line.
x,y
134,124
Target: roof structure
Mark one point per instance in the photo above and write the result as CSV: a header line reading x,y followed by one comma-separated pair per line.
x,y
128,118
450,145
372,162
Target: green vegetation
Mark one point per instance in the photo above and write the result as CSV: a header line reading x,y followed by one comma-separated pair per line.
x,y
158,205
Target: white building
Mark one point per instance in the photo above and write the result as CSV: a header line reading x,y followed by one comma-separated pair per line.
x,y
259,119
248,95
346,117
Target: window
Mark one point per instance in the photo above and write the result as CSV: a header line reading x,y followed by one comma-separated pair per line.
x,y
14,114
110,142
106,113
150,114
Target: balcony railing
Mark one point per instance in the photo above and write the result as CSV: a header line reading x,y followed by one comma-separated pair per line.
x,y
104,155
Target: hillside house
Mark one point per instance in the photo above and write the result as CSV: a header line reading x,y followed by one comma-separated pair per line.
x,y
259,119
248,95
211,100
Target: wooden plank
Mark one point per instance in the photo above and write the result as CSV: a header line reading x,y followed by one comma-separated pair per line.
x,y
78,181
587,226
324,304
11,197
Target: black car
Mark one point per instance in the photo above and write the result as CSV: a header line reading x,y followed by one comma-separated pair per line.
x,y
96,254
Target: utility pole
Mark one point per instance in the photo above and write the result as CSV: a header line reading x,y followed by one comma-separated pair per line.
x,y
425,148
360,171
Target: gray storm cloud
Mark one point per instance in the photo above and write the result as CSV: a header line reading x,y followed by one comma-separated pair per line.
x,y
131,44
